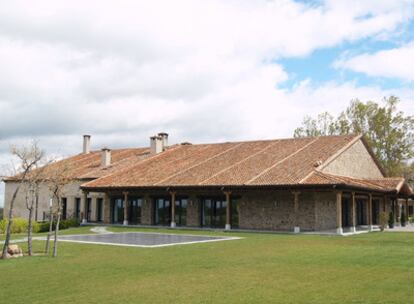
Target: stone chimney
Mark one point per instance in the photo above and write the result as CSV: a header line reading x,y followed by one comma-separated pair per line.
x,y
106,157
164,138
156,144
86,144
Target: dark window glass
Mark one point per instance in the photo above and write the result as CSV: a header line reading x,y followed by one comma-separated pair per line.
x,y
214,213
99,208
181,211
77,207
162,211
361,211
117,210
134,211
235,213
89,208
64,207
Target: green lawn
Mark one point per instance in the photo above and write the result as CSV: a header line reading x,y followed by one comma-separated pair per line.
x,y
260,268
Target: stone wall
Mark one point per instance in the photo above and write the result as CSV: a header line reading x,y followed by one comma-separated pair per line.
x,y
325,210
356,162
71,192
193,211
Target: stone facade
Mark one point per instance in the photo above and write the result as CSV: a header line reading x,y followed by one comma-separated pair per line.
x,y
71,192
355,162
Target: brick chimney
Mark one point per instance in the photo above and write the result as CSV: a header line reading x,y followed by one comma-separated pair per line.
x,y
86,144
106,157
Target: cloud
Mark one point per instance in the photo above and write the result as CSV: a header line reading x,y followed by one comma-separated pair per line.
x,y
392,63
201,70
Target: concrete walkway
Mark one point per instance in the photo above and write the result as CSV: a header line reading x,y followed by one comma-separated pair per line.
x,y
408,228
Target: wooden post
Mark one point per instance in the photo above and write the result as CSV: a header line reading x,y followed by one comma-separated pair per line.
x,y
339,229
228,211
173,223
353,213
125,223
370,212
296,228
85,207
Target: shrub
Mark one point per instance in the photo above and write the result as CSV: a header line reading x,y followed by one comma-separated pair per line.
x,y
63,224
19,225
391,220
383,220
403,219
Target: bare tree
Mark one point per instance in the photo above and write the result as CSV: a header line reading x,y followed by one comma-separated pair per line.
x,y
34,180
58,179
28,156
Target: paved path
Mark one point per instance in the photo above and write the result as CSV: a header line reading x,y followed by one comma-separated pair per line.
x,y
408,228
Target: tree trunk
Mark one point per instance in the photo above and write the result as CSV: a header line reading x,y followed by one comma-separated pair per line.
x,y
55,244
9,224
49,233
36,206
29,232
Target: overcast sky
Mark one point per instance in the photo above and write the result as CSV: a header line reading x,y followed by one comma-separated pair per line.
x,y
203,71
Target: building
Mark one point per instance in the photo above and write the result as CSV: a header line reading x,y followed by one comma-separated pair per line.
x,y
331,183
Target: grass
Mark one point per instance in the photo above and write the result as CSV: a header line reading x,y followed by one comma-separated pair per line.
x,y
260,268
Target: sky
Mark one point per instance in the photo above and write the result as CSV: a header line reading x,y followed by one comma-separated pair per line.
x,y
202,71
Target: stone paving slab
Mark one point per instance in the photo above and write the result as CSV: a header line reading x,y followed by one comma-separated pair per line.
x,y
143,239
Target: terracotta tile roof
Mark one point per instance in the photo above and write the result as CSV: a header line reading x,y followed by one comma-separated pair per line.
x,y
282,162
88,166
273,162
385,184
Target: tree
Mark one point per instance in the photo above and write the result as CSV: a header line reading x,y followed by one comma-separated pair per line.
x,y
57,179
28,157
34,180
388,131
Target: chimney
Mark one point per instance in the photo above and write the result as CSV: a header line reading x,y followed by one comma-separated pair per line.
x,y
106,157
86,144
155,144
164,139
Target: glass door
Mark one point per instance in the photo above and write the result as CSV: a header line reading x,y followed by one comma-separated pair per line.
x,y
135,207
117,210
181,211
162,212
214,213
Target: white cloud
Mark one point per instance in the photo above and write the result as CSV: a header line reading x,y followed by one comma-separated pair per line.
x,y
391,63
200,70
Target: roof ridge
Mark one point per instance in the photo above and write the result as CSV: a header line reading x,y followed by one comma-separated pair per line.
x,y
195,165
281,161
239,162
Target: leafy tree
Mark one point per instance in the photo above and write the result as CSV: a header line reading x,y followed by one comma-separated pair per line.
x,y
387,130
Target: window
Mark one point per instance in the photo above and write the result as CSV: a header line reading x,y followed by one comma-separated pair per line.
x,y
181,211
89,209
134,210
117,210
99,208
64,207
77,208
162,212
214,213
